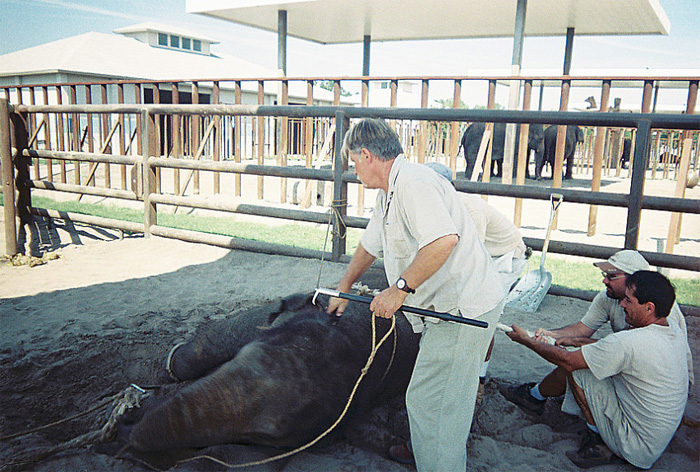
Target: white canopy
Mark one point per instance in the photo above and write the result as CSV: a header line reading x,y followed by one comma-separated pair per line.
x,y
347,21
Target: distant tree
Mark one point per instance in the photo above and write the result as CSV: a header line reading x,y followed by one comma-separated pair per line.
x,y
447,103
328,85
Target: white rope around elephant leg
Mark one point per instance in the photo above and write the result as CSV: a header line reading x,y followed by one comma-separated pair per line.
x,y
545,339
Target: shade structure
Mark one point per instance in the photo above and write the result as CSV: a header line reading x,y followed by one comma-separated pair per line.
x,y
348,21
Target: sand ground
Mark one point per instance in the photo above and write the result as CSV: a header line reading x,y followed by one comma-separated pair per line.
x,y
104,314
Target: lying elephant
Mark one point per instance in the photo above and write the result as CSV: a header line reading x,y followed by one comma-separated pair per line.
x,y
574,135
282,385
471,141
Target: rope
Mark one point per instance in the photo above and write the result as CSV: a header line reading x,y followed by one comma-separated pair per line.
x,y
363,372
56,423
335,212
126,399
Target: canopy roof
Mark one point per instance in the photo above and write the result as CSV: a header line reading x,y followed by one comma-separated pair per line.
x,y
347,21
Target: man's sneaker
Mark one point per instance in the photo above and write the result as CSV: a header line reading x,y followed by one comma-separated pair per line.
x,y
522,397
401,453
593,452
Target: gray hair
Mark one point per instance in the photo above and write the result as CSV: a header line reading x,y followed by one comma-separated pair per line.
x,y
375,135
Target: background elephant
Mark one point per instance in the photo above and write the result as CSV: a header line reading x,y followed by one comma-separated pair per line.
x,y
471,140
574,135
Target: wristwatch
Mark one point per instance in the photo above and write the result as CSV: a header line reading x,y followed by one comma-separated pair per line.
x,y
402,285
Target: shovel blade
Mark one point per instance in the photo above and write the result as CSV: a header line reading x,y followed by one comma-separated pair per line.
x,y
530,290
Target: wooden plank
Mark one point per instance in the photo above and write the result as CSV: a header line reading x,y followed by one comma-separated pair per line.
x,y
674,226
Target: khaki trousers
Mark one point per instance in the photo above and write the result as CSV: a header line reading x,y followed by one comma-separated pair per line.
x,y
442,393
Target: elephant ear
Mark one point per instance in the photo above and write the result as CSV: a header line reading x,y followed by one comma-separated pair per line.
x,y
297,301
288,306
580,137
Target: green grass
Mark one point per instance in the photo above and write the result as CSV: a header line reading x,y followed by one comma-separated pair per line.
x,y
581,275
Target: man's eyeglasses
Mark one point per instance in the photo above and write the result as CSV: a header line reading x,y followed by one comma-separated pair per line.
x,y
613,276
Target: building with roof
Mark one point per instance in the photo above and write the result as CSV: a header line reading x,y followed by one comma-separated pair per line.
x,y
143,52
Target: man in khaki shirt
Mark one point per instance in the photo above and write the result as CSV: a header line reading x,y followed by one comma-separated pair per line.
x,y
434,260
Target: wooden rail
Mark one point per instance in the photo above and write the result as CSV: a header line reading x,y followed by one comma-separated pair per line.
x,y
201,128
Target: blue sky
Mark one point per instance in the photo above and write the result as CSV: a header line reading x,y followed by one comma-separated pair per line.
x,y
26,23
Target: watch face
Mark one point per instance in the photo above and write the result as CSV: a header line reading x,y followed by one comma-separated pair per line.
x,y
401,284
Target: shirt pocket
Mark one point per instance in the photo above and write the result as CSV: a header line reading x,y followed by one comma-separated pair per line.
x,y
397,246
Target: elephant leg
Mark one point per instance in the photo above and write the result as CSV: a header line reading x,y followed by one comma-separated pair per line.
x,y
470,168
539,164
569,167
219,342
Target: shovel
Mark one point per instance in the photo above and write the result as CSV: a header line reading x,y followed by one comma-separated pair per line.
x,y
531,289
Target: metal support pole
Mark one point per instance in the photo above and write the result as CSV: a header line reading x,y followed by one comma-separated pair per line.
x,y
282,41
514,95
568,50
634,209
8,180
365,55
339,206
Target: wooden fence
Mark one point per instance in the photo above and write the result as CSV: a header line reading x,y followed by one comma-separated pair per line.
x,y
144,165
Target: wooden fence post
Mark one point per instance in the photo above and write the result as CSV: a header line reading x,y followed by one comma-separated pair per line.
x,y
600,136
261,136
149,177
523,155
8,180
422,137
283,138
216,151
237,148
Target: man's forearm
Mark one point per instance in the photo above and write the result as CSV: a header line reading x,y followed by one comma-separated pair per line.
x,y
360,262
429,259
577,330
568,360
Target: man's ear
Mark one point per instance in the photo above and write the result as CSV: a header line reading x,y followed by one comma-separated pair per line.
x,y
650,307
366,154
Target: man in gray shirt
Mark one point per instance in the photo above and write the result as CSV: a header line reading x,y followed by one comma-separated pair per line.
x,y
631,387
606,307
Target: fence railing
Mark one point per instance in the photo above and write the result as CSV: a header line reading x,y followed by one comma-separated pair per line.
x,y
146,164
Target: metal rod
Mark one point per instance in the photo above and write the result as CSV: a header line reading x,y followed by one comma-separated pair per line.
x,y
410,309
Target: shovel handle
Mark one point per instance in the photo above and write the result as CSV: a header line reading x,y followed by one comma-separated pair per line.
x,y
552,214
410,309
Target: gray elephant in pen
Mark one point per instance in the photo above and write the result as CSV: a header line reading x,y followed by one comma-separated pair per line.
x,y
574,135
471,141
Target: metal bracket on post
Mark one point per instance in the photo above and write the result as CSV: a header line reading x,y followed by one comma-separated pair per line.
x,y
148,176
639,165
339,206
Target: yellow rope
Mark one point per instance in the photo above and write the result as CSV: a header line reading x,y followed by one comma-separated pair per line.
x,y
363,372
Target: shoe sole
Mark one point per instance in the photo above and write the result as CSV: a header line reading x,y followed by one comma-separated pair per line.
x,y
505,391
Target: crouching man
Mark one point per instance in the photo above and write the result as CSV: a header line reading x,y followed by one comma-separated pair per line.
x,y
631,387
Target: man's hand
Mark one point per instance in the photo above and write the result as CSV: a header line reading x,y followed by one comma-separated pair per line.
x,y
336,305
541,333
519,335
388,302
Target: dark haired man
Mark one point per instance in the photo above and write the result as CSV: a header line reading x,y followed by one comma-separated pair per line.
x,y
631,387
433,259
